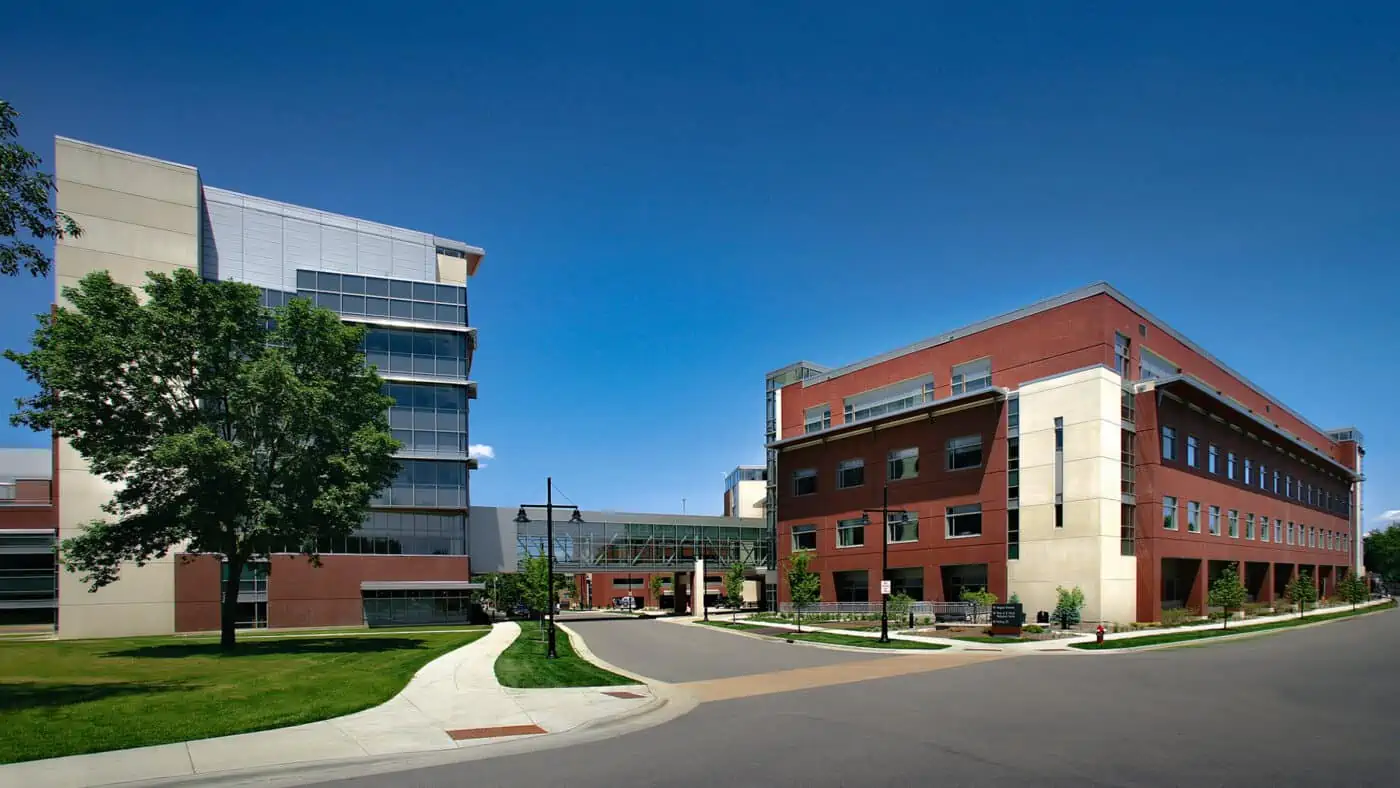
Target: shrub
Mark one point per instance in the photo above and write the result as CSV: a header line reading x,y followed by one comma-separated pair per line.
x,y
1179,617
1033,629
1067,606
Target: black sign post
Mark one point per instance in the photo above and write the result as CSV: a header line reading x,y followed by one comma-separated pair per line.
x,y
1006,620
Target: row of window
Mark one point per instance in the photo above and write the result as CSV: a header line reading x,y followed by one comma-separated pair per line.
x,y
966,378
960,454
1243,470
960,522
1293,534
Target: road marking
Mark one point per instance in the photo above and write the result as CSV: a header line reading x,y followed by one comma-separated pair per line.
x,y
827,675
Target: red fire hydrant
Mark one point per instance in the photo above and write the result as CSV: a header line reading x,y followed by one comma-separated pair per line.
x,y
1098,632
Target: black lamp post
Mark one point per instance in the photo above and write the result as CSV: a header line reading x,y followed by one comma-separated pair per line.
x,y
884,511
521,517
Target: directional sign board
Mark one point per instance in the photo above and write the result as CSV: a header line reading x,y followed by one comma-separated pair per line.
x,y
1006,620
884,586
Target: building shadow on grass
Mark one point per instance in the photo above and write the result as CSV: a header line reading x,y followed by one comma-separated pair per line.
x,y
19,695
283,646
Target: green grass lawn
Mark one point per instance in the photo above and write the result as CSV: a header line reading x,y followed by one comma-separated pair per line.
x,y
71,697
1203,634
524,665
993,639
831,638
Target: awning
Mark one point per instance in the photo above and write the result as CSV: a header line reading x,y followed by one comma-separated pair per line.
x,y
421,585
927,410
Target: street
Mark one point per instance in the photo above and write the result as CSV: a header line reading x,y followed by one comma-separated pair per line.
x,y
1307,707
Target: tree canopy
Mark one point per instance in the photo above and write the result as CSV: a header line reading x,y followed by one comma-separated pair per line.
x,y
25,215
1227,592
1301,590
734,586
804,585
228,428
1381,553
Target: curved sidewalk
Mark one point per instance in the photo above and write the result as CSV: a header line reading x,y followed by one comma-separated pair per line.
x,y
452,702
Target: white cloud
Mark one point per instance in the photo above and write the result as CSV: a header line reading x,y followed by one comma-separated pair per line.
x,y
481,451
1389,516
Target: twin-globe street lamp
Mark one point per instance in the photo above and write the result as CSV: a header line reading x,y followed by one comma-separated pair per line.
x,y
885,513
521,517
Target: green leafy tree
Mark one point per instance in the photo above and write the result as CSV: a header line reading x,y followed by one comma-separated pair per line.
x,y
1353,590
1381,553
899,606
657,583
1301,591
503,589
535,583
1068,604
978,596
804,585
25,215
734,587
225,432
1227,592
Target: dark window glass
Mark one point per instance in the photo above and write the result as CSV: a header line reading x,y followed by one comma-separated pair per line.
x,y
352,284
376,286
399,289
402,310
306,280
352,304
423,291
328,281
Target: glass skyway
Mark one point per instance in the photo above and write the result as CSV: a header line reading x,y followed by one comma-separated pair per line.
x,y
644,542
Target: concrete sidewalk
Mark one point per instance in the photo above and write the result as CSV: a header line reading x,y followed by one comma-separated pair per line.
x,y
450,703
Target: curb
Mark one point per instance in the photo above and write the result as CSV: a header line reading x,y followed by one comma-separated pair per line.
x,y
1360,613
827,646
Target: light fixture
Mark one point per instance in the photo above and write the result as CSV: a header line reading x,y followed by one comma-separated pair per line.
x,y
576,518
521,516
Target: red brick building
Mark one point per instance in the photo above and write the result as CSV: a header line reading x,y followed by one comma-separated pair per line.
x,y
1077,441
28,529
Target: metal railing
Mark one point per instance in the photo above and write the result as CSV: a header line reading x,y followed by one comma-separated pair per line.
x,y
951,612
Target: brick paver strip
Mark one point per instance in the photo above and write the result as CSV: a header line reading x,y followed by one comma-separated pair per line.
x,y
624,695
828,675
500,730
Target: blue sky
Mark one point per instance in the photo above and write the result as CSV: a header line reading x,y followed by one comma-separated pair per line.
x,y
676,198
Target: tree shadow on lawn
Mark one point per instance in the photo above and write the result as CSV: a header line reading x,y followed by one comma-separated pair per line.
x,y
262,648
19,695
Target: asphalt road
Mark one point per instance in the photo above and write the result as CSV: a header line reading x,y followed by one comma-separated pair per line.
x,y
1310,708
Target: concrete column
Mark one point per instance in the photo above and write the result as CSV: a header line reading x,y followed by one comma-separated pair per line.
x,y
697,588
1200,587
678,592
1266,589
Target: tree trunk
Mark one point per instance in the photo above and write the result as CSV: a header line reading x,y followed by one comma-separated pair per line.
x,y
228,612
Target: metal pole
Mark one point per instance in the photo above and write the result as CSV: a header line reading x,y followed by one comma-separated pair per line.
x,y
884,565
549,561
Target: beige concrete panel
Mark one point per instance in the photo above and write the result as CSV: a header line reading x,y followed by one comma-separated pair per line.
x,y
451,270
1091,439
94,165
80,198
73,264
1118,601
1037,485
134,240
125,620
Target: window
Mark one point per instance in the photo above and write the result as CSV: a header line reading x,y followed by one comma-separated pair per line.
x,y
1168,443
1013,415
1249,526
964,521
1013,468
1234,523
1127,458
1215,521
1193,517
427,484
1059,515
972,376
1127,530
850,473
1213,459
1169,513
804,482
1230,466
804,537
1278,532
851,586
903,464
1191,458
1151,365
431,354
964,452
1310,495
1312,536
429,418
850,533
889,399
1287,486
902,527
1275,482
815,419
1290,532
1013,534
1248,479
1122,354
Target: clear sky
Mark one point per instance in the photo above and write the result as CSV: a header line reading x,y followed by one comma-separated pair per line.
x,y
676,197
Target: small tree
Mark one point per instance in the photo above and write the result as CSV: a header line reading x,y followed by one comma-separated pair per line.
x,y
656,583
981,599
734,587
899,606
1300,591
1227,592
1353,590
1068,603
804,585
25,215
534,582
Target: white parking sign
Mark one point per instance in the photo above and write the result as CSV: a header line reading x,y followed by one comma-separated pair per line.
x,y
884,586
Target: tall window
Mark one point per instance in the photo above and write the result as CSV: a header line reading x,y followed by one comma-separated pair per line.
x,y
1191,455
1312,536
1276,483
1234,523
815,419
1127,530
1213,459
1168,443
903,464
1193,517
1230,466
965,452
1263,477
1169,512
1013,534
850,473
1278,532
850,533
1059,472
1290,532
1215,521
1122,354
964,521
804,482
804,537
1013,468
1127,457
902,527
1287,486
1249,526
972,376
1248,478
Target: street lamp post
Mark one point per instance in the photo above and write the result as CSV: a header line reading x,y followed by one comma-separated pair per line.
x,y
521,517
884,511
